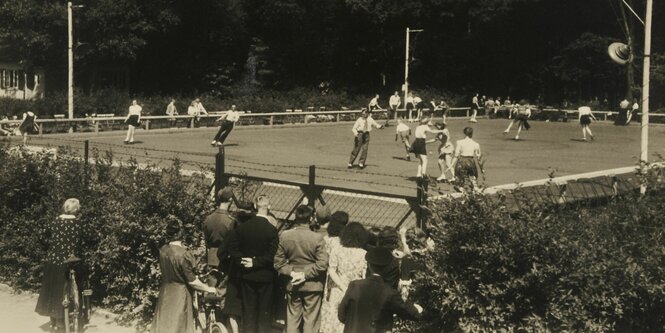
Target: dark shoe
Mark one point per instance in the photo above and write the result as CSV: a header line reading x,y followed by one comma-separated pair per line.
x,y
408,158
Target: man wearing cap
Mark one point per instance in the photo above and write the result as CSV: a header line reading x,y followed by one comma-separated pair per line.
x,y
369,304
361,129
302,256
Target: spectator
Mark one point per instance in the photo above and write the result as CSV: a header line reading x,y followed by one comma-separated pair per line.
x,y
172,111
369,304
321,220
252,247
420,105
622,117
4,126
409,103
28,126
174,312
347,263
632,114
200,108
338,220
63,235
489,107
301,254
393,104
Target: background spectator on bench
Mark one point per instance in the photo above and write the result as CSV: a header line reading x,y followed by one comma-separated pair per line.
x,y
5,129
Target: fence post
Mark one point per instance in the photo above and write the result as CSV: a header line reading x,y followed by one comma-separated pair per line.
x,y
421,194
86,145
311,196
147,124
337,116
220,179
272,120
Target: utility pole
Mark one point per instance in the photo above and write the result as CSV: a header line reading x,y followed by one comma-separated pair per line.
x,y
70,63
407,59
644,151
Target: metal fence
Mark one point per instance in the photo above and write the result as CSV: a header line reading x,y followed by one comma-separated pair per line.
x,y
367,207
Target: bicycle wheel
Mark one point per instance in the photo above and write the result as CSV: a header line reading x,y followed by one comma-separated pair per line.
x,y
218,328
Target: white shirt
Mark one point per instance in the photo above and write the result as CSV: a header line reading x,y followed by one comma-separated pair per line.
x,y
171,109
467,147
232,115
584,110
374,102
474,100
201,109
417,100
135,109
624,104
401,127
422,130
395,100
192,110
635,106
409,99
364,125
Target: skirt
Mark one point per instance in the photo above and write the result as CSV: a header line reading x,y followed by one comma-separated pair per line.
x,y
522,119
585,120
28,127
51,294
466,167
133,120
419,147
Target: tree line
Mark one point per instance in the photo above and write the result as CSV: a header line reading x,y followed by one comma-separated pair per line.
x,y
549,50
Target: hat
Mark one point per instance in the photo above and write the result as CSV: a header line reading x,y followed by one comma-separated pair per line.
x,y
379,256
225,194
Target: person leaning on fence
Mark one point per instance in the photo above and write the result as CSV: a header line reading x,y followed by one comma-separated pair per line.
x,y
63,235
369,304
132,120
361,129
393,104
174,312
467,162
301,255
4,126
228,121
172,111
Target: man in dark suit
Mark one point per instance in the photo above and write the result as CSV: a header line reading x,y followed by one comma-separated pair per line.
x,y
252,245
369,304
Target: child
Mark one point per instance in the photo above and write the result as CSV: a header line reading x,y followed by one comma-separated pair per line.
x,y
585,116
404,133
446,150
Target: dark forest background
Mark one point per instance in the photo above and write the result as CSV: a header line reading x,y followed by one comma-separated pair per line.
x,y
544,50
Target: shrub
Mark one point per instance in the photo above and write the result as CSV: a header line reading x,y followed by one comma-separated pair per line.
x,y
578,268
123,208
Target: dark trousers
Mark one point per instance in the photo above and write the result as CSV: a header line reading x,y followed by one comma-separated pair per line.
x,y
360,144
224,131
257,306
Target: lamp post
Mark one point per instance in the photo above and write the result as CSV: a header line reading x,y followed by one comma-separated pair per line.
x,y
644,151
407,59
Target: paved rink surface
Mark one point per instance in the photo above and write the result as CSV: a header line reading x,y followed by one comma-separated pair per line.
x,y
285,152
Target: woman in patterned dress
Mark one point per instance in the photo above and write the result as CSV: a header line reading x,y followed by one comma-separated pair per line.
x,y
346,263
63,234
174,312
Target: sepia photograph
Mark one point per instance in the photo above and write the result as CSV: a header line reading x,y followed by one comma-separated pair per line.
x,y
332,166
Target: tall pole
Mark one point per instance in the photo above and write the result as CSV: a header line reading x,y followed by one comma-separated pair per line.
x,y
406,67
644,151
70,64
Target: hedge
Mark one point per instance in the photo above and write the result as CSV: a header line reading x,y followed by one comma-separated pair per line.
x,y
585,267
122,209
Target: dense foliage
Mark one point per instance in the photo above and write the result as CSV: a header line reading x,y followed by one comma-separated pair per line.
x,y
552,49
581,268
122,211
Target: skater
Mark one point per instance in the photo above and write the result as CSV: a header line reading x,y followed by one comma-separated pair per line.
x,y
521,116
420,105
228,121
133,120
632,114
467,159
474,109
585,116
446,150
442,106
361,130
28,126
404,133
419,147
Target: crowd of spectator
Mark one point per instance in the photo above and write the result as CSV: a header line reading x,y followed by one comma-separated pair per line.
x,y
317,273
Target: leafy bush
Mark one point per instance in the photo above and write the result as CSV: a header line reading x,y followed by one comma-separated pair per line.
x,y
579,268
123,209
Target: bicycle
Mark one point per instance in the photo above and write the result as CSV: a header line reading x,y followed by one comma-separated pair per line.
x,y
207,306
76,304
